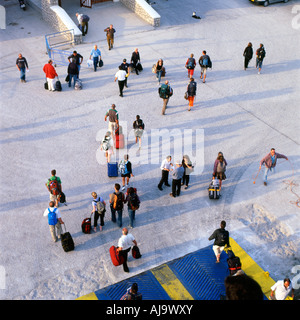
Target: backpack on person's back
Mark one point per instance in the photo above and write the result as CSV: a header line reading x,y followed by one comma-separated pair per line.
x,y
118,201
134,201
53,187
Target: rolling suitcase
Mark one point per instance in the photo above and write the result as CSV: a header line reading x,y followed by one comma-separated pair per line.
x,y
112,169
67,241
119,141
214,190
116,258
86,225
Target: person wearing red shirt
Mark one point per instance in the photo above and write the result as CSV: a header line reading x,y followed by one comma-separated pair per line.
x,y
50,75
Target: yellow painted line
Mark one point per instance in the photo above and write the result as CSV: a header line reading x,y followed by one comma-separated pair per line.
x,y
90,296
253,270
170,283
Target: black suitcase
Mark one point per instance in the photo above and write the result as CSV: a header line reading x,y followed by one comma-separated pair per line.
x,y
57,85
62,198
67,241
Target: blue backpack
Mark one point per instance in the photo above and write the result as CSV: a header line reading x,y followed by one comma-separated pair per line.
x,y
52,220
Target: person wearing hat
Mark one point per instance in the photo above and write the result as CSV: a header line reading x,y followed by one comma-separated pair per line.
x,y
125,66
177,174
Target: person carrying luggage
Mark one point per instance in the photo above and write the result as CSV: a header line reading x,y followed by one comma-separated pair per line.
x,y
124,246
221,237
54,221
219,169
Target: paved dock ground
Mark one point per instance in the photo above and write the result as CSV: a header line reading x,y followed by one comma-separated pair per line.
x,y
238,112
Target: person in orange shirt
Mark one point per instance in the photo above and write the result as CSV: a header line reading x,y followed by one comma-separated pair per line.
x,y
50,75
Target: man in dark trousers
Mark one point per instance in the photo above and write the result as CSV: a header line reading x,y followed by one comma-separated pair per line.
x,y
121,77
191,90
177,175
72,72
22,65
110,36
165,169
221,237
125,66
77,58
124,245
135,59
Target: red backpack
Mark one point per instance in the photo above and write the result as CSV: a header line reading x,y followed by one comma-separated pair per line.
x,y
53,187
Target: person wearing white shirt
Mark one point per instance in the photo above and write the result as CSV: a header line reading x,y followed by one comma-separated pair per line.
x,y
54,221
121,77
281,289
165,167
124,246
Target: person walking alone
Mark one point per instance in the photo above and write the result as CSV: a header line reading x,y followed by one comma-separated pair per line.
x,y
270,161
221,237
165,92
22,65
110,36
135,60
96,55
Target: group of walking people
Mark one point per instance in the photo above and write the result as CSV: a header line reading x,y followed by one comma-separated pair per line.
x,y
180,171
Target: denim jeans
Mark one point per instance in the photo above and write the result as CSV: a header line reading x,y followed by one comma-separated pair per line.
x,y
131,214
113,215
96,61
72,76
22,73
267,171
158,75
